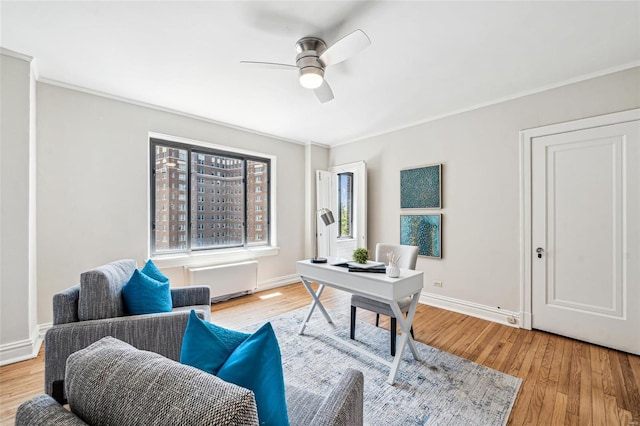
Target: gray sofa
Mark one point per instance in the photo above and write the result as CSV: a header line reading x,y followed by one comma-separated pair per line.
x,y
112,383
93,309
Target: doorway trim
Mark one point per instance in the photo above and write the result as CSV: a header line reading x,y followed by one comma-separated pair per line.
x,y
526,141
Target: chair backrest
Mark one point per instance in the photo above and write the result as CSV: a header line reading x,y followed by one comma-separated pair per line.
x,y
101,290
408,254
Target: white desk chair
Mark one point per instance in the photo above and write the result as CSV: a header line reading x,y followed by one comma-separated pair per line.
x,y
408,258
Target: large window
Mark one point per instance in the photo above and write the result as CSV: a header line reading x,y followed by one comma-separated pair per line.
x,y
225,206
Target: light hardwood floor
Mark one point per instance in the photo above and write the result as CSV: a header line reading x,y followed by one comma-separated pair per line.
x,y
564,381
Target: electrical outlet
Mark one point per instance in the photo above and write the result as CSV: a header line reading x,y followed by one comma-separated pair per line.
x,y
437,283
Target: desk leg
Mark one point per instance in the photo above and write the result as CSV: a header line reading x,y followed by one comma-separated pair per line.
x,y
405,326
316,302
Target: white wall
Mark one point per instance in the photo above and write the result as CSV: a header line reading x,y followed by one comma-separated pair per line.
x,y
93,177
480,155
18,324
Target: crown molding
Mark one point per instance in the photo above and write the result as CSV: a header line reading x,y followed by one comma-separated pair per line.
x,y
518,95
21,56
320,145
93,92
14,54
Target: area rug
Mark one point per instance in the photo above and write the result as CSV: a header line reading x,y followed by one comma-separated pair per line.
x,y
442,389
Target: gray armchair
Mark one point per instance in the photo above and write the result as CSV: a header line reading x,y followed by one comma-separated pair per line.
x,y
143,388
93,309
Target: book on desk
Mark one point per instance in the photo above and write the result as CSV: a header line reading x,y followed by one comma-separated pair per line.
x,y
375,267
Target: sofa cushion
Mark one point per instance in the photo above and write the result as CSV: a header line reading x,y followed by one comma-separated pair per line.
x,y
101,290
253,362
145,295
207,346
112,383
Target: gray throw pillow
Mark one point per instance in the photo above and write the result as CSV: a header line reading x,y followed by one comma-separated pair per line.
x,y
112,383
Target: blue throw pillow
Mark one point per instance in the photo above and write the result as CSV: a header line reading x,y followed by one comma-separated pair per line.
x,y
151,270
144,295
253,362
256,364
207,346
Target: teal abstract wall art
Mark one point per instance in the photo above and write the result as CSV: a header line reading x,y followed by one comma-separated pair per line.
x,y
420,187
424,231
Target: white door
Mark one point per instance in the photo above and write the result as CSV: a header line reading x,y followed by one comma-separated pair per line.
x,y
349,207
585,235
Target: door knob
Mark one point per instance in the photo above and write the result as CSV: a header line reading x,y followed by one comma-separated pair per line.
x,y
539,250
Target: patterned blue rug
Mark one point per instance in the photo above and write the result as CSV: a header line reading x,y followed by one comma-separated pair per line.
x,y
442,389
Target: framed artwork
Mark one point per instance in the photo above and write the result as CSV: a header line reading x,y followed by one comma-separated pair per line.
x,y
421,187
424,231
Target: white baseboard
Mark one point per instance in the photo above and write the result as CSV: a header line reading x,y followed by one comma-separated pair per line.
x,y
526,320
477,310
278,282
21,350
42,329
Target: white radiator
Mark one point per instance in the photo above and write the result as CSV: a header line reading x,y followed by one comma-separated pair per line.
x,y
226,281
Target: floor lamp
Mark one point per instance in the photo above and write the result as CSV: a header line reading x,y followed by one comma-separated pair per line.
x,y
327,218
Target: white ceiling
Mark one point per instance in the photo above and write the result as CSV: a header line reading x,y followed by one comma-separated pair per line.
x,y
427,59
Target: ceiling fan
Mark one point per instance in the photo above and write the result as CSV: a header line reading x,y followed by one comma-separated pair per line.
x,y
314,57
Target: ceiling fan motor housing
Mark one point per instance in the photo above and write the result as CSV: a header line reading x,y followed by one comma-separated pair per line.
x,y
309,49
311,43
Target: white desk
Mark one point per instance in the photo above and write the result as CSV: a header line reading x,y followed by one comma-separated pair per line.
x,y
372,285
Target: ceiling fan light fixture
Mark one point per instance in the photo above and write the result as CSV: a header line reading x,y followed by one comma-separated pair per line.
x,y
311,77
313,57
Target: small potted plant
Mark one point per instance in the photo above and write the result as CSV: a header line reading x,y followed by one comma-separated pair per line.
x,y
361,255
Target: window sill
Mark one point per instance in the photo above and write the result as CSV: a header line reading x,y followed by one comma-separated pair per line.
x,y
218,257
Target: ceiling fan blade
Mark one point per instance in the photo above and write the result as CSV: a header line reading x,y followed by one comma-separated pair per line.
x,y
345,48
271,65
324,92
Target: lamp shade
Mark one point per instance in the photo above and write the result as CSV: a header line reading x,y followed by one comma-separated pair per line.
x,y
327,216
